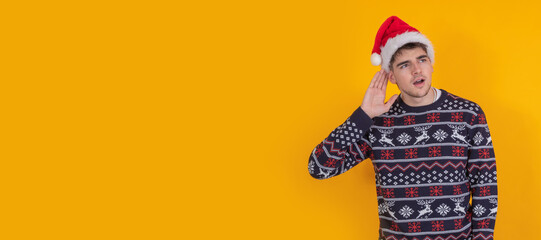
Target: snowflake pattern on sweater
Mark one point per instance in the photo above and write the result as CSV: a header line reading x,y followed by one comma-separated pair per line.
x,y
428,162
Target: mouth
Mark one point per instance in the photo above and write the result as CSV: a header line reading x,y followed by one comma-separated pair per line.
x,y
419,82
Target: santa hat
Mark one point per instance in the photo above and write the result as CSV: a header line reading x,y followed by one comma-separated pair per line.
x,y
393,34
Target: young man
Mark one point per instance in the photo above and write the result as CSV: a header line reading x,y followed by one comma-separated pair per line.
x,y
431,150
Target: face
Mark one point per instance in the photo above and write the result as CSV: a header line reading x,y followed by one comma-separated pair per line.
x,y
412,73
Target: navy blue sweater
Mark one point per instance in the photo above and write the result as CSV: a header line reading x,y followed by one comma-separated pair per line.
x,y
428,161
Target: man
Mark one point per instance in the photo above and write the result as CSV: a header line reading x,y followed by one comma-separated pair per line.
x,y
431,150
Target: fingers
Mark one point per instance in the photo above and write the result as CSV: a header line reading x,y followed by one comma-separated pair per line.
x,y
384,81
379,82
374,79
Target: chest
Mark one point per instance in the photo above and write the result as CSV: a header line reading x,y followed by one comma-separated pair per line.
x,y
419,140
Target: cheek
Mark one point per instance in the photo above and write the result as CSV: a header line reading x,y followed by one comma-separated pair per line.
x,y
429,69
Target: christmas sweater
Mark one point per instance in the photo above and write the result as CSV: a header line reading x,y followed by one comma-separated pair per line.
x,y
428,161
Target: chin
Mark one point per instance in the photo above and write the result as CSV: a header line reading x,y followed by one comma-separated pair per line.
x,y
419,93
428,88
426,92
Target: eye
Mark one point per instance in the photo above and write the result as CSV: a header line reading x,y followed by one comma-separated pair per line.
x,y
403,66
423,60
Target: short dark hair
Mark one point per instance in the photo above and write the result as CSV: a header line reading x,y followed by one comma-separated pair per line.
x,y
410,45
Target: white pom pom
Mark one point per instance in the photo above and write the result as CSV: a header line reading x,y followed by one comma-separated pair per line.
x,y
375,59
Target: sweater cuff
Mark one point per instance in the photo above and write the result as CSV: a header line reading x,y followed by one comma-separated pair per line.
x,y
361,119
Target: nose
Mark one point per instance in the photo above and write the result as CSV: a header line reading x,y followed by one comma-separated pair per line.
x,y
416,68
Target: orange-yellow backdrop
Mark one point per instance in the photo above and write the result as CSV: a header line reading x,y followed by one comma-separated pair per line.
x,y
195,120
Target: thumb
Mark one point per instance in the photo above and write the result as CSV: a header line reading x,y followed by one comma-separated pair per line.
x,y
391,101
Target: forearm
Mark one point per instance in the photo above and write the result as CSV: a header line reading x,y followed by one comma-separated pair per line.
x,y
343,148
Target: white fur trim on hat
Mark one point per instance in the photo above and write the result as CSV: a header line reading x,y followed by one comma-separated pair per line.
x,y
398,41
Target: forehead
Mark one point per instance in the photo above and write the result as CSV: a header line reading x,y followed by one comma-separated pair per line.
x,y
408,54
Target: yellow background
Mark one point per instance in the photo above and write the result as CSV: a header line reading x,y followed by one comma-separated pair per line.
x,y
195,119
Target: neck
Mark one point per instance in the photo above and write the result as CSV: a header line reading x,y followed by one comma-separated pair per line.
x,y
419,101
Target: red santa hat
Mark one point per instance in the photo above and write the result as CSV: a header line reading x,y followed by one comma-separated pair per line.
x,y
393,34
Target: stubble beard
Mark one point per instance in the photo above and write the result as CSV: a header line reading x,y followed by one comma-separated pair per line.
x,y
418,95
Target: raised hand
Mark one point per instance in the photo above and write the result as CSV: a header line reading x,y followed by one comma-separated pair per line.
x,y
373,102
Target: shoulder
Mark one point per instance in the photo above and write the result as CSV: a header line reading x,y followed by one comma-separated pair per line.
x,y
455,102
473,113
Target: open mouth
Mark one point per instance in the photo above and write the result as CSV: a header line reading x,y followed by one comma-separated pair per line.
x,y
419,82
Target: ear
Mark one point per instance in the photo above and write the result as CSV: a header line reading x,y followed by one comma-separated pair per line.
x,y
391,77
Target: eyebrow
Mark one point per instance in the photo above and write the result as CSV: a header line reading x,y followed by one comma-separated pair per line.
x,y
419,57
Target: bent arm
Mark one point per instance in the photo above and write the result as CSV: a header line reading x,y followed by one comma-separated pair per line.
x,y
346,146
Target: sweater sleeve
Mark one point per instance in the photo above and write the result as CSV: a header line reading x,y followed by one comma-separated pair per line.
x,y
346,146
481,169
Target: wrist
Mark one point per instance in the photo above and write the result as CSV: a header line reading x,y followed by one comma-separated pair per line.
x,y
367,112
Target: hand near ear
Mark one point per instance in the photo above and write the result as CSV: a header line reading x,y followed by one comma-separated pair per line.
x,y
373,102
